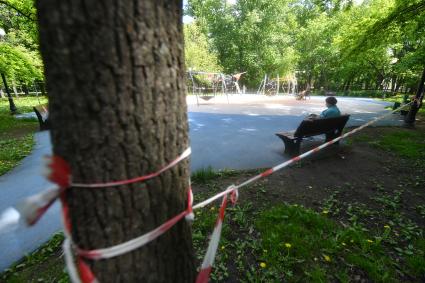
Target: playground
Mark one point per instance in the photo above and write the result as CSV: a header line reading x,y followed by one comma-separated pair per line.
x,y
243,128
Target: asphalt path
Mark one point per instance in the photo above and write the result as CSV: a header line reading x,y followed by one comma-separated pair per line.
x,y
234,134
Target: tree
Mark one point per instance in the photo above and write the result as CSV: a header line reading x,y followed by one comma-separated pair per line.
x,y
250,35
116,86
16,62
408,18
197,49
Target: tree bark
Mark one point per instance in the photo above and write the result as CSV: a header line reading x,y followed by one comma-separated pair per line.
x,y
25,89
12,105
414,107
116,87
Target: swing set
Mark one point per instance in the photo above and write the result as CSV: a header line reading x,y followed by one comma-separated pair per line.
x,y
207,85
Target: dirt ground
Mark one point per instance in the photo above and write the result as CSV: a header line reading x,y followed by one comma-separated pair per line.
x,y
355,181
356,172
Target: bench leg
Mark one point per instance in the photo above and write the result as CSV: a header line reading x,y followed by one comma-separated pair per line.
x,y
292,147
331,136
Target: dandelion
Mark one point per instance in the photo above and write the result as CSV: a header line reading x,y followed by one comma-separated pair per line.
x,y
288,245
369,241
325,211
263,265
387,227
327,258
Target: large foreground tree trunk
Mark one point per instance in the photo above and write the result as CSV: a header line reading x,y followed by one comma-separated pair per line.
x,y
116,87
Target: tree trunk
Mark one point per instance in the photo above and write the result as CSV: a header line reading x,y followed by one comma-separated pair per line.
x,y
12,106
414,107
43,88
25,89
116,87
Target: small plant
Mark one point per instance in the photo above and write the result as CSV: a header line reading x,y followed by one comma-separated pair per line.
x,y
205,175
26,269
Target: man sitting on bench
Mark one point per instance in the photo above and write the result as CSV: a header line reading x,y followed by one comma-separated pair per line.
x,y
331,111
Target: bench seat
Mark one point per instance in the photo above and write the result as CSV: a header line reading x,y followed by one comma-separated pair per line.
x,y
331,127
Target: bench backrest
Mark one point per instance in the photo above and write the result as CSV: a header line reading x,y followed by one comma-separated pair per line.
x,y
42,112
314,127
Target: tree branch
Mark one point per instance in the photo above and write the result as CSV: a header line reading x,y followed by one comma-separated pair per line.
x,y
28,16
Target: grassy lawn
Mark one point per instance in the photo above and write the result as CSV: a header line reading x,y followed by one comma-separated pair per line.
x,y
16,135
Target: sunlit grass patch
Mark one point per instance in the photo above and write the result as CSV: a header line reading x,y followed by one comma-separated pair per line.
x,y
318,247
204,175
13,150
409,144
16,139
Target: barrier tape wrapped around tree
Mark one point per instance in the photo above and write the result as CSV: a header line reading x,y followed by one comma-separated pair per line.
x,y
34,207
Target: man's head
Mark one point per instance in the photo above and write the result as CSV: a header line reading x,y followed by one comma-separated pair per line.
x,y
331,101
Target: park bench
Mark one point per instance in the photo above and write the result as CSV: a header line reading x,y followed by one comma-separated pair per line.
x,y
331,127
42,113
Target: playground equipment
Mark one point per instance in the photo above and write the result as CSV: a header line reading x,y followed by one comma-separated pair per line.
x,y
289,84
269,86
207,85
273,86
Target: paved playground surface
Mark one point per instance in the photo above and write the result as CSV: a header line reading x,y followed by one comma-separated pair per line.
x,y
240,133
237,134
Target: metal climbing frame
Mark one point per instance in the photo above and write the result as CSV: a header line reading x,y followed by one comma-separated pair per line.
x,y
207,85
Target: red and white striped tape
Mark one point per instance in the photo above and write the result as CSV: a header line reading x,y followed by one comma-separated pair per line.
x,y
83,273
139,241
62,178
58,171
208,261
184,155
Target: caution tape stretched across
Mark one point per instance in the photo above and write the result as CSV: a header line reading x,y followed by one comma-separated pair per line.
x,y
35,206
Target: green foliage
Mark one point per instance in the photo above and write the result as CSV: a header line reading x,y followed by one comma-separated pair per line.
x,y
408,144
18,63
19,16
322,42
198,53
19,56
251,36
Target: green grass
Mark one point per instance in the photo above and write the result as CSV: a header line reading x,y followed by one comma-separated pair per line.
x,y
43,265
13,150
284,243
205,175
303,245
408,144
24,105
16,135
